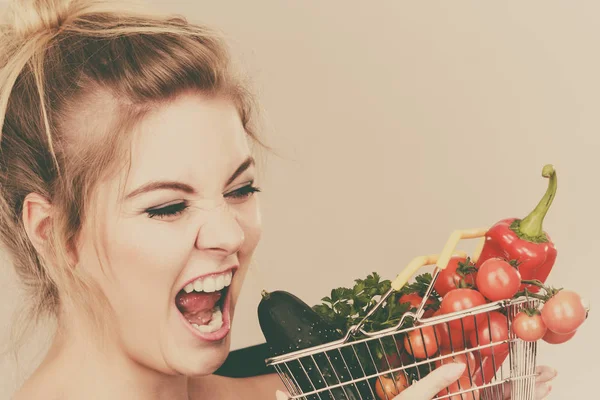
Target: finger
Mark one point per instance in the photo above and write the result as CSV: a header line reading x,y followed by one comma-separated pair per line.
x,y
279,395
545,374
542,390
428,387
507,391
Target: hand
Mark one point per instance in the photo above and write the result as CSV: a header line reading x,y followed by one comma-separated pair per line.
x,y
433,383
428,387
542,386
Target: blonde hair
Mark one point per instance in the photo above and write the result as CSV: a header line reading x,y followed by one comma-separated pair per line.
x,y
59,59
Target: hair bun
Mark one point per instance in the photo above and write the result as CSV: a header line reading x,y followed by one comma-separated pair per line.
x,y
28,17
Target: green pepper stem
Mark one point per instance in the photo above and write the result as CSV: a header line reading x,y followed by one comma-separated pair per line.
x,y
265,294
531,225
529,294
534,282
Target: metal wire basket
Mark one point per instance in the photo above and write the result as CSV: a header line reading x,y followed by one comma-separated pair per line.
x,y
361,364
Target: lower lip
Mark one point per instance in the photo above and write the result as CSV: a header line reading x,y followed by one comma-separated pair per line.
x,y
217,335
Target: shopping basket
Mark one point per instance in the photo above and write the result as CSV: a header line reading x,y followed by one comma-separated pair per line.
x,y
353,367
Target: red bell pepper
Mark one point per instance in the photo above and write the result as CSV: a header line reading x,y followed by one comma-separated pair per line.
x,y
487,368
524,240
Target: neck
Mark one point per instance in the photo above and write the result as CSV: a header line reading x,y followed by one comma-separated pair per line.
x,y
88,369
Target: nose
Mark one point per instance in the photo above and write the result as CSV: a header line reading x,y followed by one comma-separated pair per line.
x,y
221,231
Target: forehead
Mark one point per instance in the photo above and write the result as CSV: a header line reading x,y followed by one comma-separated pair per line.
x,y
195,139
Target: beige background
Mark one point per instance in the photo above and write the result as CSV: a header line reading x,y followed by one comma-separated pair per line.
x,y
398,122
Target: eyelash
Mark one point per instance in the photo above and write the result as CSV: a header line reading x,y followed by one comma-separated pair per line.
x,y
175,209
243,192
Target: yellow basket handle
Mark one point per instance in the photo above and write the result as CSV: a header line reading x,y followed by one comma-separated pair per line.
x,y
443,258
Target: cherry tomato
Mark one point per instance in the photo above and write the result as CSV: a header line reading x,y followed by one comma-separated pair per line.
x,y
415,301
421,342
555,338
385,385
460,300
449,278
564,312
465,358
454,340
389,361
394,360
497,279
491,331
529,328
463,383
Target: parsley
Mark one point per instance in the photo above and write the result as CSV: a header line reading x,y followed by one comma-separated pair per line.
x,y
419,287
346,307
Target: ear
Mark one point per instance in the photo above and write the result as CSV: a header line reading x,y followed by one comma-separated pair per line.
x,y
36,219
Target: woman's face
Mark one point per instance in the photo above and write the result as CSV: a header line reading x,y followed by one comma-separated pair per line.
x,y
175,244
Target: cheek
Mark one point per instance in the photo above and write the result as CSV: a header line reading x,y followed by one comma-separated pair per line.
x,y
251,223
145,259
149,245
250,220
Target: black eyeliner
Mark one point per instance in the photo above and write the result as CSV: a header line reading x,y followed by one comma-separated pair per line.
x,y
170,210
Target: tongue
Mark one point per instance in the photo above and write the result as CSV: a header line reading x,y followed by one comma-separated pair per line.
x,y
197,307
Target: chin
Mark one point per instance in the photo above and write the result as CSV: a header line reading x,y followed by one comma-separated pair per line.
x,y
204,361
188,354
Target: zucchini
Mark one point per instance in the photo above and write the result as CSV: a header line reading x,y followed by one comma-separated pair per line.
x,y
289,324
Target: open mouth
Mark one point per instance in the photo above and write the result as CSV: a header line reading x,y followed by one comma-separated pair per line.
x,y
204,304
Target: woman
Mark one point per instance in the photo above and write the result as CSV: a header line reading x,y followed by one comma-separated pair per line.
x,y
128,201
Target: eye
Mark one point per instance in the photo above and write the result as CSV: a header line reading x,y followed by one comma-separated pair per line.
x,y
243,193
170,210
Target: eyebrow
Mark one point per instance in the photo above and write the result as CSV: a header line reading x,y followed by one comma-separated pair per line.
x,y
184,187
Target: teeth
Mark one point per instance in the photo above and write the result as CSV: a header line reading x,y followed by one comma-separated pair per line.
x,y
219,282
210,283
215,323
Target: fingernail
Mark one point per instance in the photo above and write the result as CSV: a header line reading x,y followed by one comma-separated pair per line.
x,y
549,388
279,395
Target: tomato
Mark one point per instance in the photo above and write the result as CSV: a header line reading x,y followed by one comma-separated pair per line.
x,y
460,300
466,358
415,301
529,328
428,313
449,278
389,361
498,280
564,312
422,342
491,331
463,383
412,298
385,385
394,360
555,338
447,339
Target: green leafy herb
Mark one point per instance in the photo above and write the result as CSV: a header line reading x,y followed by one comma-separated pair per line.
x,y
420,287
346,307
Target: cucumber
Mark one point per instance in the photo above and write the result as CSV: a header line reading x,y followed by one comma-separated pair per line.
x,y
289,324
